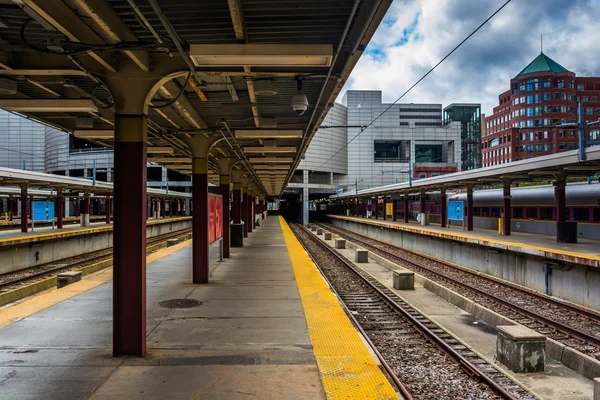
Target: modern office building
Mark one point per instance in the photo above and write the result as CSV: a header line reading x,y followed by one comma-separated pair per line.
x,y
541,97
364,142
21,143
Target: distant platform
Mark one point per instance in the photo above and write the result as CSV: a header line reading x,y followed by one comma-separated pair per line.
x,y
585,252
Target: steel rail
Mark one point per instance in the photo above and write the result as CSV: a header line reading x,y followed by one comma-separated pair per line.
x,y
426,332
518,309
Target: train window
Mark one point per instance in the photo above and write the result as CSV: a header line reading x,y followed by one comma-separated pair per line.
x,y
517,212
476,211
531,212
485,212
496,211
581,214
596,214
546,213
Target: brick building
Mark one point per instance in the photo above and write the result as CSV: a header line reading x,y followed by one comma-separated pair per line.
x,y
541,97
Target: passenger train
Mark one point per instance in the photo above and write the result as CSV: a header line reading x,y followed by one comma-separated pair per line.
x,y
533,208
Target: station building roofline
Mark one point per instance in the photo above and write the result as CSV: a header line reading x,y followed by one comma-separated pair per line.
x,y
560,164
10,178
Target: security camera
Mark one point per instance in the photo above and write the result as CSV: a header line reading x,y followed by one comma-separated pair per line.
x,y
299,104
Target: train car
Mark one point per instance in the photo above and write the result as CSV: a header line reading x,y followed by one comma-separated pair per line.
x,y
534,208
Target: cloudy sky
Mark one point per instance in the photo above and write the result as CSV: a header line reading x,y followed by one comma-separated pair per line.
x,y
416,34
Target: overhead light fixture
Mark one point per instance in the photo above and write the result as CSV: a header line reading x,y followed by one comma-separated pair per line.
x,y
270,149
47,105
268,133
266,55
263,168
170,159
274,160
94,133
160,150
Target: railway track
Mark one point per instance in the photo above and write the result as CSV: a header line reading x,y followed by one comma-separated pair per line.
x,y
19,278
567,323
422,360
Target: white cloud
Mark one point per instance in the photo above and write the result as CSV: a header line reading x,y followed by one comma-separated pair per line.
x,y
482,68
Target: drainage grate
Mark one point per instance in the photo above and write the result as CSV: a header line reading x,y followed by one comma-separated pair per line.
x,y
179,303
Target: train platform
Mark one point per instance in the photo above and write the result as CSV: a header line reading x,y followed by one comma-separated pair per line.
x,y
16,237
585,252
266,326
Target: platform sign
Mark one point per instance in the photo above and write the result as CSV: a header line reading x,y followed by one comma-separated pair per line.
x,y
456,211
215,218
389,208
43,211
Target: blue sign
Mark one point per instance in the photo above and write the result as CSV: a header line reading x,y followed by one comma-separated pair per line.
x,y
456,210
43,211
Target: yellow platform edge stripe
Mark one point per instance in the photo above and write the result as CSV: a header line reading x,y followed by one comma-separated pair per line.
x,y
33,305
348,371
454,235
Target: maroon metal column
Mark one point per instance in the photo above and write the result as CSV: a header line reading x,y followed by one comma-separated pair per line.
x,y
163,209
469,210
422,202
376,208
237,203
443,208
561,201
507,209
58,210
250,213
129,254
384,209
394,210
24,215
224,182
406,208
108,211
245,210
200,244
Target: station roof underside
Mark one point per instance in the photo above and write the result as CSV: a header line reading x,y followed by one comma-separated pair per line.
x,y
247,59
551,167
37,183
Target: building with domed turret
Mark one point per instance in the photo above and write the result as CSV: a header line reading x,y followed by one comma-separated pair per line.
x,y
541,97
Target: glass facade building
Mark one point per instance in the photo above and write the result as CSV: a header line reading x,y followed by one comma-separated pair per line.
x,y
469,116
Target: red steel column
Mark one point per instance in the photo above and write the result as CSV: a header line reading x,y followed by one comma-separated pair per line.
x,y
250,212
108,209
11,208
200,245
24,215
469,210
406,208
224,188
237,203
507,209
245,210
394,210
384,209
129,254
443,208
163,210
376,208
58,210
561,201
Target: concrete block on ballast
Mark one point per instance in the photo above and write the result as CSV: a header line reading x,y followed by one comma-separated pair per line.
x,y
340,243
521,349
404,280
596,388
361,256
68,277
327,235
319,231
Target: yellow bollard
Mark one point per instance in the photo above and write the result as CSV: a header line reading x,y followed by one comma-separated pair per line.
x,y
499,226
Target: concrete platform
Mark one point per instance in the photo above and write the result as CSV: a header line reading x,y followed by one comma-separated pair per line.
x,y
556,383
248,338
586,252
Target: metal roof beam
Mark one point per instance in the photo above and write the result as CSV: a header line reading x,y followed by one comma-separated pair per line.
x,y
105,17
61,17
183,106
48,106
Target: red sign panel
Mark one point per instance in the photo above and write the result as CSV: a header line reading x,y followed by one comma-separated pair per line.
x,y
215,218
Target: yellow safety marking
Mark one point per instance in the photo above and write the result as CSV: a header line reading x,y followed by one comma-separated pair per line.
x,y
348,371
451,235
20,311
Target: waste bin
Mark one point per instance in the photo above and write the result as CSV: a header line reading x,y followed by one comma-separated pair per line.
x,y
237,235
566,232
424,218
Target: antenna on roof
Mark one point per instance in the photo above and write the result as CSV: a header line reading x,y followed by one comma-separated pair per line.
x,y
542,43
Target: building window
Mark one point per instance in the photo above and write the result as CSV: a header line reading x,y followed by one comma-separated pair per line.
x,y
530,99
589,111
585,99
530,112
530,148
538,98
562,146
530,123
560,83
572,146
546,147
391,150
571,134
547,83
538,148
547,96
570,96
580,87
